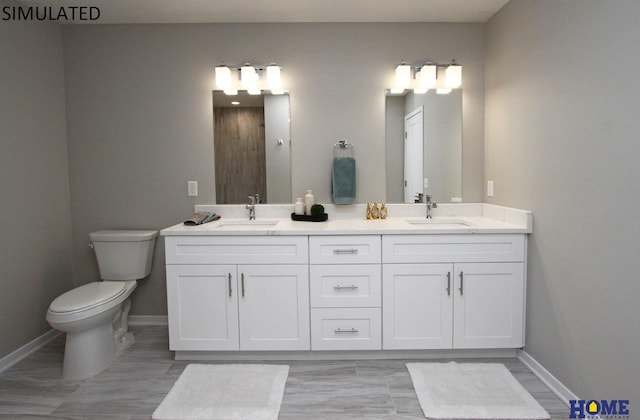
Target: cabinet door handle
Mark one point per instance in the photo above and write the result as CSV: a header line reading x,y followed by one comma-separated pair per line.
x,y
461,283
242,283
449,283
345,251
345,330
338,287
230,290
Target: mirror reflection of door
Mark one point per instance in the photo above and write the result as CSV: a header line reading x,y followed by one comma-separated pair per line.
x,y
413,157
239,149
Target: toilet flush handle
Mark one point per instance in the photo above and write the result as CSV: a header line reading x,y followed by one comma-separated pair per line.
x,y
91,245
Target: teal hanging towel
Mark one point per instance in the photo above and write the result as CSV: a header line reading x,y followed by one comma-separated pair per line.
x,y
343,174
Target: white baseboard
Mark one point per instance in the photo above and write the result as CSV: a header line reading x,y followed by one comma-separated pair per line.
x,y
148,320
28,349
34,345
557,387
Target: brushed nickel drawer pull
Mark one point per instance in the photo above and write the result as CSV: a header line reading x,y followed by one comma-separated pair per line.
x,y
242,283
345,330
345,251
461,283
338,287
230,290
449,283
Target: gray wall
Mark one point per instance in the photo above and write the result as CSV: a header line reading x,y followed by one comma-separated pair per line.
x,y
140,124
562,140
35,245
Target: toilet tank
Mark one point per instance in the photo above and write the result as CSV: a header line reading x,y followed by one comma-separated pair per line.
x,y
124,254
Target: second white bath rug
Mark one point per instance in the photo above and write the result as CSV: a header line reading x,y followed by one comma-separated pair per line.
x,y
472,391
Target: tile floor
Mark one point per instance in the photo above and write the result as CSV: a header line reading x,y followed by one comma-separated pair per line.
x,y
132,387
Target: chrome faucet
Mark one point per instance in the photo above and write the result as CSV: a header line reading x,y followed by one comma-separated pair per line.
x,y
430,205
252,206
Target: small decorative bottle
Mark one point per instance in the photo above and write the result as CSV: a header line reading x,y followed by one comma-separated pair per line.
x,y
383,211
375,211
369,217
309,201
298,208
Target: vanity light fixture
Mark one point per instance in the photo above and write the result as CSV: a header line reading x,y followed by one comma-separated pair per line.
x,y
273,79
423,77
248,76
403,75
254,79
453,75
223,77
428,75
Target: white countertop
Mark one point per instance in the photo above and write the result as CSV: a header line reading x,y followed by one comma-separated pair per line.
x,y
345,220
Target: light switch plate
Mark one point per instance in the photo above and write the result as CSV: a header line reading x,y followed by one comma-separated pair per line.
x,y
192,188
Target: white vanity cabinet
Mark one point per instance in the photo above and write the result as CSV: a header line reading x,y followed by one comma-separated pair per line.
x,y
345,283
453,291
340,286
238,292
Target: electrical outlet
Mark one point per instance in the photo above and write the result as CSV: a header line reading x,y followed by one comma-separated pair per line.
x,y
192,188
489,188
426,183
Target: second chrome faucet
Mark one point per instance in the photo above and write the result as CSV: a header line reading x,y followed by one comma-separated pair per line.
x,y
430,205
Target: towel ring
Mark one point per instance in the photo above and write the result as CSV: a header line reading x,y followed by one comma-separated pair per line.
x,y
343,149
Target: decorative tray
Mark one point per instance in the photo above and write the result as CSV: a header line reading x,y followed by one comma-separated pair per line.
x,y
308,218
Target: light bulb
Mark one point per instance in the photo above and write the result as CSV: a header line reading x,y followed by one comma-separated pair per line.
x,y
248,76
453,75
223,77
403,75
428,76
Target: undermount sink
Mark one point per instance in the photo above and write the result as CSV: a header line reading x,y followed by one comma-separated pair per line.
x,y
437,223
247,224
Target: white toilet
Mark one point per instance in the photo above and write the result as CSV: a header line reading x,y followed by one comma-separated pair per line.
x,y
94,316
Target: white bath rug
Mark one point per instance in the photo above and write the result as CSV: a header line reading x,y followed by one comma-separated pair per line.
x,y
225,392
472,391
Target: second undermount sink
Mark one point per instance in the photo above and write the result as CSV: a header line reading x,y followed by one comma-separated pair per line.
x,y
438,223
247,224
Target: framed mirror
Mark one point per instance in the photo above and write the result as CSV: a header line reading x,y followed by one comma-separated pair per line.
x,y
424,146
252,147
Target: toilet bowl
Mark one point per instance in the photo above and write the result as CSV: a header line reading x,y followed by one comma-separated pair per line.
x,y
94,316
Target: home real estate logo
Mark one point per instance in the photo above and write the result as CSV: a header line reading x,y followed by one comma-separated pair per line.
x,y
602,409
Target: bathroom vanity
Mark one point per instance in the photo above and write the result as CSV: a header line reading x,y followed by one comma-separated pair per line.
x,y
456,281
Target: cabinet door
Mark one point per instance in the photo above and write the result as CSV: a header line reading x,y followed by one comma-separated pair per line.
x,y
417,306
489,305
202,307
274,307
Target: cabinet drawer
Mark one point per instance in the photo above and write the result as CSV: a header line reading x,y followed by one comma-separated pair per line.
x,y
356,249
346,329
453,248
236,250
343,286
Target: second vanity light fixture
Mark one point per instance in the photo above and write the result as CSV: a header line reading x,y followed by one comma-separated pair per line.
x,y
423,77
252,78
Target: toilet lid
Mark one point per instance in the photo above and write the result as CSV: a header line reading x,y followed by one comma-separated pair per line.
x,y
87,296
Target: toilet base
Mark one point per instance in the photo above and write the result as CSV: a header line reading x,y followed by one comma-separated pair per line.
x,y
88,352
